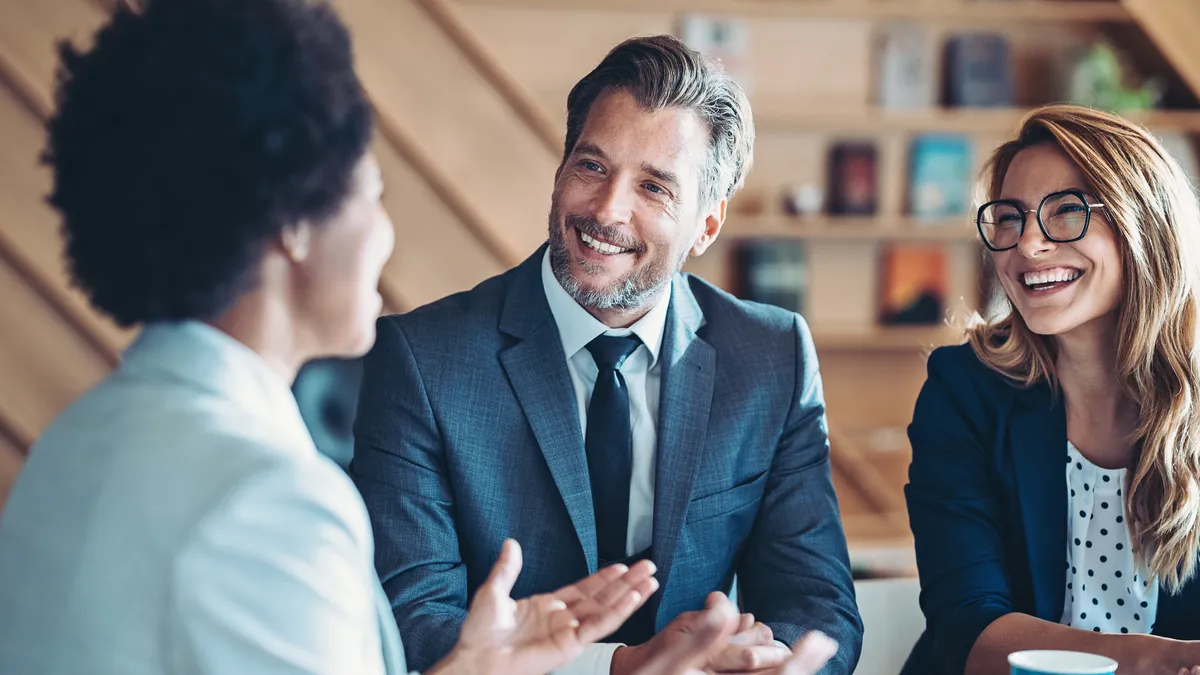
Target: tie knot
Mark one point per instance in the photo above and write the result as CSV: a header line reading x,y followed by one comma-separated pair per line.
x,y
610,351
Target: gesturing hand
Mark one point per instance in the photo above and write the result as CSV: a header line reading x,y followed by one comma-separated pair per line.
x,y
718,640
537,634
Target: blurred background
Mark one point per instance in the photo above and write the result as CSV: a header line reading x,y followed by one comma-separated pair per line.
x,y
873,117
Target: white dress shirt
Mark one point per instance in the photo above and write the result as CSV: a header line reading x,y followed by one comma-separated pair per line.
x,y
643,377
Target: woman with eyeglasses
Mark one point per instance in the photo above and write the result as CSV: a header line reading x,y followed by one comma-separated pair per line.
x,y
1054,491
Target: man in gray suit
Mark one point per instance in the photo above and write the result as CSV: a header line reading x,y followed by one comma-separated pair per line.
x,y
600,406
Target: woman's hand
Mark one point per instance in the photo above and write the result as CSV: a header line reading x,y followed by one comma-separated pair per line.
x,y
538,634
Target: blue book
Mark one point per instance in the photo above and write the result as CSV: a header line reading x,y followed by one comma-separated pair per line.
x,y
939,180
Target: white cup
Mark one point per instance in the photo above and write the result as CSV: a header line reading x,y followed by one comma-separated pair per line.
x,y
1051,662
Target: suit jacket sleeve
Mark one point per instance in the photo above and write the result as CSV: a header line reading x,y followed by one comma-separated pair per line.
x,y
955,515
277,580
795,572
399,467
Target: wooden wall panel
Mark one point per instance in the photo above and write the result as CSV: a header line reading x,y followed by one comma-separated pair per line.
x,y
1171,24
434,255
12,457
496,165
27,224
46,363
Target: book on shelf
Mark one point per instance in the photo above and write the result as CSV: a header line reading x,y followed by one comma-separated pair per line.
x,y
724,38
978,71
853,178
913,284
939,177
773,272
905,74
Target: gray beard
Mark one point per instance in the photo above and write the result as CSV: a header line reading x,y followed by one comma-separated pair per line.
x,y
630,292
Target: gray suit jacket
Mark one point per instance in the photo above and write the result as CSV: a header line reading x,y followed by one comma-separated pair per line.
x,y
177,519
468,433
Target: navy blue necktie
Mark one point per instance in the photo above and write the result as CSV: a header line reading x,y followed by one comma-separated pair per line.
x,y
609,444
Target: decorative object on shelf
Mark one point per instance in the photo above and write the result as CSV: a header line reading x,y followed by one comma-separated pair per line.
x,y
979,71
772,271
913,283
853,178
904,65
939,177
1098,80
326,392
724,38
803,201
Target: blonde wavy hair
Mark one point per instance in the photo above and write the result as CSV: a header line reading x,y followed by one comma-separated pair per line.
x,y
1153,210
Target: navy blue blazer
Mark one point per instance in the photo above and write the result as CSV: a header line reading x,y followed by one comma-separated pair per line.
x,y
987,500
468,432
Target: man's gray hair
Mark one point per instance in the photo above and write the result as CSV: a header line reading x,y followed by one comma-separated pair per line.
x,y
662,72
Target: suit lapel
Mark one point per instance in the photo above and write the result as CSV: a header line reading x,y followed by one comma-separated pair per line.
x,y
1039,451
688,370
537,370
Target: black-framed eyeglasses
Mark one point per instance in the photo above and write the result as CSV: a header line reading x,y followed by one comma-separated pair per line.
x,y
1062,216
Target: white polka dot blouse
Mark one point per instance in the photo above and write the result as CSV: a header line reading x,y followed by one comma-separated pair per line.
x,y
1106,592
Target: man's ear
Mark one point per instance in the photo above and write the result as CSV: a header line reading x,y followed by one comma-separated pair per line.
x,y
714,220
296,241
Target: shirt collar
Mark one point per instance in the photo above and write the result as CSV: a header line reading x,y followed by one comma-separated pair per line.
x,y
576,327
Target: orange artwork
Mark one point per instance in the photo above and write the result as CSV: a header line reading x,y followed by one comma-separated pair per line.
x,y
913,284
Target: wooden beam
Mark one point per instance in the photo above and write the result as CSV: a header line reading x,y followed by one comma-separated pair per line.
x,y
449,18
12,458
448,120
45,361
956,11
29,236
1172,24
439,249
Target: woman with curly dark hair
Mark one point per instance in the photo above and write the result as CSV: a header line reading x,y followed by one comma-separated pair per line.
x,y
211,166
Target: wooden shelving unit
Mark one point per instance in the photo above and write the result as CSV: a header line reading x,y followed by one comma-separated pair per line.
x,y
833,228
783,116
885,339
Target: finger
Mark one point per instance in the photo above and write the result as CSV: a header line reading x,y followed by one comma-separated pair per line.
x,y
699,635
747,622
505,571
715,598
737,658
812,652
615,591
758,634
597,621
588,586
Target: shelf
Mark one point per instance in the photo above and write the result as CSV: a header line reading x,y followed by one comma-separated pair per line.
x,y
780,115
886,339
834,228
964,11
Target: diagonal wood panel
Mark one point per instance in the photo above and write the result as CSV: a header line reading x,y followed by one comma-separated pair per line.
x,y
1172,24
482,153
46,363
11,459
27,225
434,254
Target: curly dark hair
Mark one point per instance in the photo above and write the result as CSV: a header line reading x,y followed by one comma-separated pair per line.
x,y
190,134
